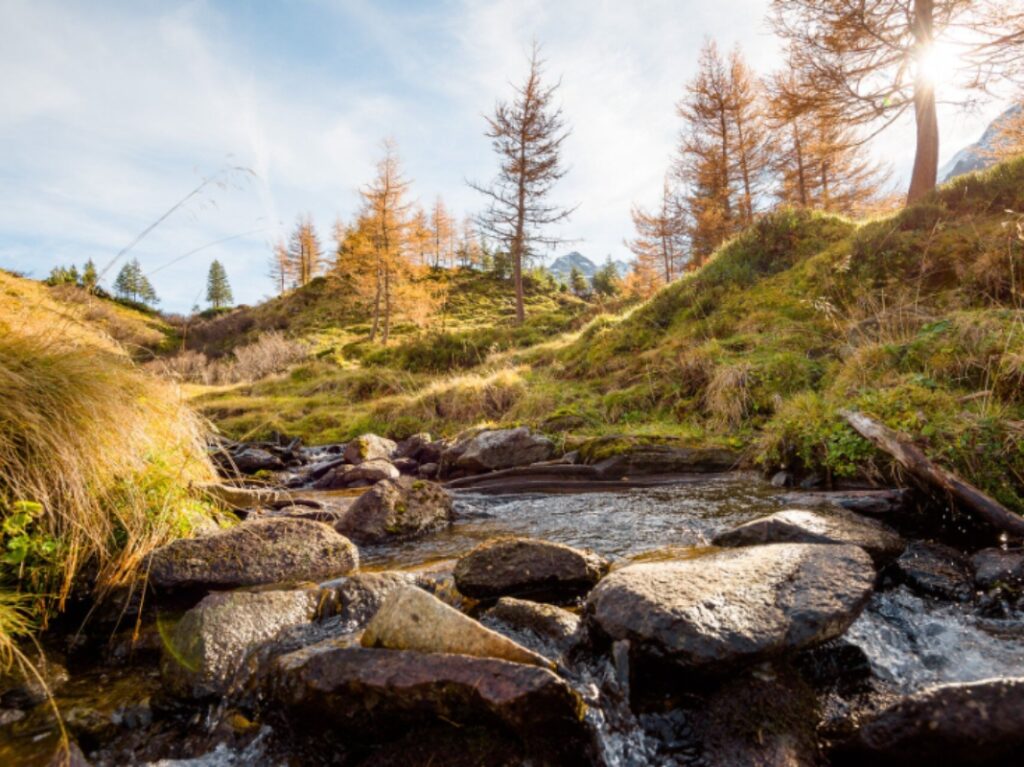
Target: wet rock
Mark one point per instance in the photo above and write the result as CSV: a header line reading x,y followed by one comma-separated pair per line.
x,y
998,567
782,479
428,470
800,526
524,567
358,597
397,509
726,606
20,689
954,724
500,449
546,629
208,645
369,447
763,718
874,502
365,474
242,498
412,619
255,552
619,456
380,694
935,570
251,460
418,447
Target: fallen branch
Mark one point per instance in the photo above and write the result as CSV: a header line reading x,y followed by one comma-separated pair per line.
x,y
911,458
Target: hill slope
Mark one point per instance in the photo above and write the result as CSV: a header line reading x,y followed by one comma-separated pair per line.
x,y
917,319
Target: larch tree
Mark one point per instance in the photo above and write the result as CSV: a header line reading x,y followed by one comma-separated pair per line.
x,y
1008,141
527,133
421,238
751,157
470,250
660,242
218,290
442,228
872,63
385,214
280,267
305,255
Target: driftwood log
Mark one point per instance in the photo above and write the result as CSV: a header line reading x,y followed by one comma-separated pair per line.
x,y
917,464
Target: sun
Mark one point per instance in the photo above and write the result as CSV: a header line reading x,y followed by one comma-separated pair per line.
x,y
938,63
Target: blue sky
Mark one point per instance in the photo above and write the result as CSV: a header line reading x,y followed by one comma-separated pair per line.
x,y
112,111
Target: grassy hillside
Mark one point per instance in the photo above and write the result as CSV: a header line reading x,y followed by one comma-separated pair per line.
x,y
96,457
917,318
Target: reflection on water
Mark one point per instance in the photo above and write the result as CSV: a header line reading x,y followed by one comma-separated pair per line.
x,y
618,524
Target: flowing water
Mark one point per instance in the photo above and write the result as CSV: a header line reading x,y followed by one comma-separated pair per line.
x,y
911,642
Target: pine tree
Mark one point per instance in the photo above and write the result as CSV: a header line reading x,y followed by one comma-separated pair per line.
x,y
90,277
578,283
606,280
218,290
132,285
527,135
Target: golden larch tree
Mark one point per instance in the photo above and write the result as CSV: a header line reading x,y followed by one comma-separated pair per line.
x,y
660,241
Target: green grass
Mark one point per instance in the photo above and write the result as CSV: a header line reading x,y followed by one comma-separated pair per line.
x,y
915,318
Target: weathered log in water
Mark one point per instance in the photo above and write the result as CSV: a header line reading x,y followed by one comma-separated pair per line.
x,y
918,465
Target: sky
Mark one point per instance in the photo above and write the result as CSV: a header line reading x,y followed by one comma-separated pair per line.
x,y
113,112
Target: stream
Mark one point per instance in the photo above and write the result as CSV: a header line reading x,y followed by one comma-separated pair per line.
x,y
911,642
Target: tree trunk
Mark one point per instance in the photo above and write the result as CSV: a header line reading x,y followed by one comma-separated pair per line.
x,y
926,157
798,151
387,306
911,458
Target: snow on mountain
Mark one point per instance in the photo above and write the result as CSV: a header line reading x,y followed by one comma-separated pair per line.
x,y
976,156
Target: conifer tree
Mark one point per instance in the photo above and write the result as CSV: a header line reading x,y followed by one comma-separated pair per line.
x,y
527,134
871,63
659,245
132,285
281,267
305,255
606,280
218,290
90,277
441,232
578,282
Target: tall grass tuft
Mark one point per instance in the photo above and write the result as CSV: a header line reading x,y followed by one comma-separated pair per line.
x,y
96,459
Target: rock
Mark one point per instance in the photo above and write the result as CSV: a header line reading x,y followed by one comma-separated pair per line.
x,y
523,567
935,570
253,459
954,724
618,456
21,689
763,718
380,694
208,645
412,619
874,502
242,498
371,471
358,597
392,510
726,606
414,447
546,629
800,526
369,447
406,466
998,567
260,551
335,478
428,470
782,479
501,449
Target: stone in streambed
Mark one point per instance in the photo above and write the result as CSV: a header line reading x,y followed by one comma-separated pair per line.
x,y
528,568
412,619
998,567
207,646
935,570
358,597
953,724
369,447
380,694
726,606
547,629
392,510
256,552
496,449
802,526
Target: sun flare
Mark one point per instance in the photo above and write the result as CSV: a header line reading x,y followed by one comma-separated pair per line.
x,y
938,63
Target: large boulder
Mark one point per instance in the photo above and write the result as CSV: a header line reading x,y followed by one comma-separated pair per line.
x,y
412,619
935,570
954,724
395,509
721,607
801,526
528,568
206,648
366,473
499,449
259,551
369,447
380,694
